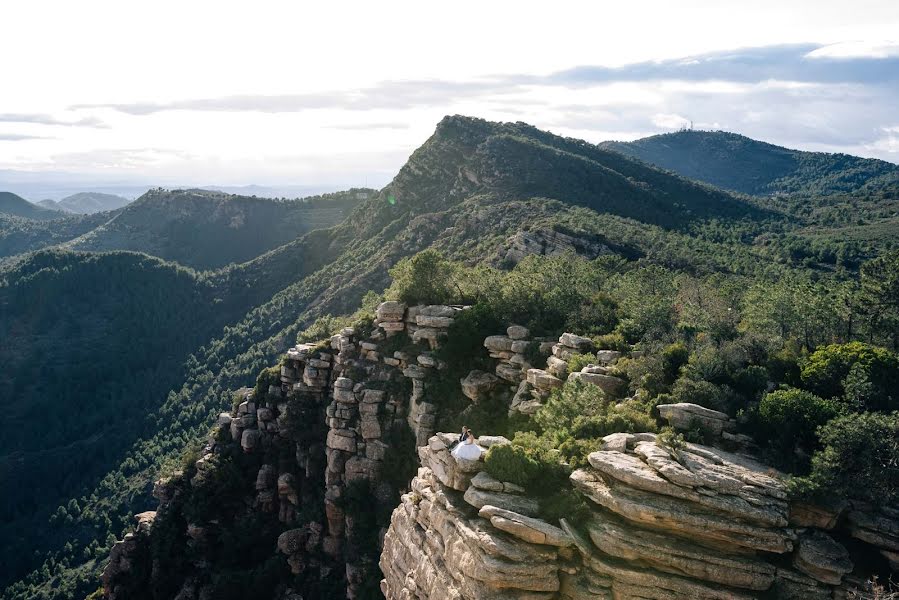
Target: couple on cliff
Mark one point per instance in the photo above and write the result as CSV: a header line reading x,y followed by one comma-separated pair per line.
x,y
467,447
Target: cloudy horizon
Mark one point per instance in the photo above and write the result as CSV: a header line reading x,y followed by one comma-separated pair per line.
x,y
206,94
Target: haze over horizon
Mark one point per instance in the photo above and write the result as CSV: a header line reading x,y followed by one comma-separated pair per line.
x,y
206,94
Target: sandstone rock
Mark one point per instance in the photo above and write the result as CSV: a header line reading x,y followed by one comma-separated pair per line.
x,y
391,326
543,381
613,386
341,439
292,541
520,504
498,343
485,481
250,439
607,357
658,505
427,360
436,322
519,346
224,419
437,310
488,441
679,557
510,373
684,416
557,366
579,343
526,528
877,526
517,332
821,557
617,442
265,477
343,383
390,311
478,384
823,514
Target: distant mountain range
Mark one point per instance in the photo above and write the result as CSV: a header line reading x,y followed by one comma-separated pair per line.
x,y
738,163
16,206
87,203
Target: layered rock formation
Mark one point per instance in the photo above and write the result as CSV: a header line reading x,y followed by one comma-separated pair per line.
x,y
696,522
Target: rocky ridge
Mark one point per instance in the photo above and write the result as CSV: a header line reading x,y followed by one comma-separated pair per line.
x,y
665,523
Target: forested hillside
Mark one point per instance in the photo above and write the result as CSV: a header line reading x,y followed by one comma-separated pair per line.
x,y
208,230
741,164
662,260
16,206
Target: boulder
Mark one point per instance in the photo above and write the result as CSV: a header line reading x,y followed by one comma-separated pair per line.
x,y
435,322
250,439
292,541
526,528
341,439
821,557
607,357
478,384
390,311
498,343
611,385
577,342
519,504
685,416
517,332
488,441
543,381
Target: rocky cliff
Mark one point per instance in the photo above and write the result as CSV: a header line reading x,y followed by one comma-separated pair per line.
x,y
296,494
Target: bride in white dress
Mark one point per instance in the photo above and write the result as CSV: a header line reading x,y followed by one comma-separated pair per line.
x,y
467,448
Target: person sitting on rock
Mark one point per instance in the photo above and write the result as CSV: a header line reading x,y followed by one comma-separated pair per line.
x,y
466,433
467,449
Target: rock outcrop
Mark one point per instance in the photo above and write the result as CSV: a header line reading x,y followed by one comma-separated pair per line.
x,y
318,436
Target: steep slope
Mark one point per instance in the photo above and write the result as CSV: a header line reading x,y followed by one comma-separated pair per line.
x,y
738,163
16,206
91,202
89,345
19,235
469,191
208,230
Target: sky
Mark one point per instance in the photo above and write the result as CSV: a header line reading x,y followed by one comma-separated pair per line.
x,y
339,94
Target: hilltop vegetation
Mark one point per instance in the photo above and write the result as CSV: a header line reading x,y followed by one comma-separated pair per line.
x,y
741,164
710,281
16,206
91,202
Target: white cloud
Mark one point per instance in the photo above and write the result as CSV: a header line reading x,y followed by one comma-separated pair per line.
x,y
670,121
289,92
857,49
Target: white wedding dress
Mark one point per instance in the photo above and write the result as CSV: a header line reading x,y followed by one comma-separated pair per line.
x,y
467,450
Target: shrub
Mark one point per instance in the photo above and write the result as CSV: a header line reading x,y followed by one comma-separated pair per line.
x,y
426,278
825,371
790,418
509,462
321,329
611,341
529,462
703,393
579,361
859,458
267,377
674,357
